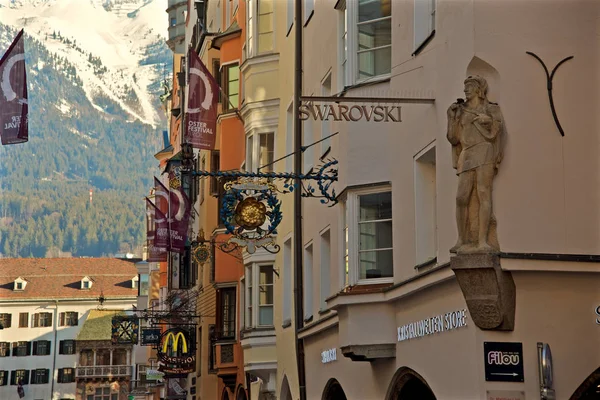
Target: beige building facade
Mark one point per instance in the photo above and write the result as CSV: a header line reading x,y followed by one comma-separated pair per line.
x,y
390,313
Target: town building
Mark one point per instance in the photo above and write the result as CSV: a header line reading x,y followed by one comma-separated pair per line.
x,y
47,307
390,312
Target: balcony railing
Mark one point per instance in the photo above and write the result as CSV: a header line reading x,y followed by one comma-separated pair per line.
x,y
104,371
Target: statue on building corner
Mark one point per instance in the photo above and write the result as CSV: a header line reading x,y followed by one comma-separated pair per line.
x,y
476,131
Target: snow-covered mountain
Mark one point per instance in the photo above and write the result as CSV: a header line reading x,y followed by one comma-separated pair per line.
x,y
116,46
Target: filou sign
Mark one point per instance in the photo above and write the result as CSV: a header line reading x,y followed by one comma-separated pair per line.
x,y
341,112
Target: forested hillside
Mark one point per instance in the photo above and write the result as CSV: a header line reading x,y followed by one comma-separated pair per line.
x,y
73,147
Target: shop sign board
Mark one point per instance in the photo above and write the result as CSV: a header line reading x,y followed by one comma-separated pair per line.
x,y
154,375
428,326
176,352
505,395
328,356
503,361
150,336
598,315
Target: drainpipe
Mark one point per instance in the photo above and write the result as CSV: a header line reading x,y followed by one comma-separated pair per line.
x,y
55,328
298,278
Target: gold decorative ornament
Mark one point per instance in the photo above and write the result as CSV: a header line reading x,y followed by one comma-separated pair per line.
x,y
250,213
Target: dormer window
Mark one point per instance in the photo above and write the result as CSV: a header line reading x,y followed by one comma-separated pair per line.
x,y
20,284
135,282
86,283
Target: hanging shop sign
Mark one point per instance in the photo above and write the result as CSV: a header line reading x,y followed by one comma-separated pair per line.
x,y
503,361
428,326
176,351
124,330
154,375
150,336
328,356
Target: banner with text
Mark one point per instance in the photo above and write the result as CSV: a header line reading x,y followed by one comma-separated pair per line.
x,y
155,219
201,113
13,97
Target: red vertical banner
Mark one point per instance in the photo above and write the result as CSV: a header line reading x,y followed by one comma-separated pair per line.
x,y
179,219
161,215
201,113
155,220
13,94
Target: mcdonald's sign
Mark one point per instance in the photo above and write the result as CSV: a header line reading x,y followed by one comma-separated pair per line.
x,y
176,348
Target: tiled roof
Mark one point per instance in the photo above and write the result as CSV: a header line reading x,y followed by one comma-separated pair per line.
x,y
98,325
61,277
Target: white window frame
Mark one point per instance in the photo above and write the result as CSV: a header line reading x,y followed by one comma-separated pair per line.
x,y
308,279
253,154
288,261
351,51
253,274
423,15
324,268
350,215
252,20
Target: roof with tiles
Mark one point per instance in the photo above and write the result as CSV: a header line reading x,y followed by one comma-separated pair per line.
x,y
61,278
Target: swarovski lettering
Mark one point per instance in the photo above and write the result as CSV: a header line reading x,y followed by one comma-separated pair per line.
x,y
429,326
598,314
339,112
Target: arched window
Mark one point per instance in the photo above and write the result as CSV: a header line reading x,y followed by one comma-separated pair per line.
x,y
333,391
409,385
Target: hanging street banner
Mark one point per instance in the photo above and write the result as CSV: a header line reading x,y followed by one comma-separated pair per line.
x,y
161,215
180,210
201,113
150,336
155,253
13,94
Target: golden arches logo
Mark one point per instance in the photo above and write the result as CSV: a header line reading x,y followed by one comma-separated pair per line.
x,y
174,338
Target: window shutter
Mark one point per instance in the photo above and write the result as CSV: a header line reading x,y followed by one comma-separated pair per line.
x,y
48,346
15,345
61,347
32,376
36,320
28,353
26,379
77,314
35,348
422,25
13,377
62,319
60,375
46,375
8,320
74,346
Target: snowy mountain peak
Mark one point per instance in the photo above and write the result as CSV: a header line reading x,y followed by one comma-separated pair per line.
x,y
117,46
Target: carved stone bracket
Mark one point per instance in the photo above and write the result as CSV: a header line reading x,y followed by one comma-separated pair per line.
x,y
369,352
488,290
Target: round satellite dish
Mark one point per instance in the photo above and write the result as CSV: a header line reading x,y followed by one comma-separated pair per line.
x,y
547,366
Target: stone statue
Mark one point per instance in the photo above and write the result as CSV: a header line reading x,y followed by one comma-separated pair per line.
x,y
476,131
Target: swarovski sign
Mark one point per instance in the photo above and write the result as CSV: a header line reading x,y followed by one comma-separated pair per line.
x,y
341,112
428,326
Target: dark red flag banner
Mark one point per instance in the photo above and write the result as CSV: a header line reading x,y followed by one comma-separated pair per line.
x,y
161,215
13,94
201,125
179,219
155,220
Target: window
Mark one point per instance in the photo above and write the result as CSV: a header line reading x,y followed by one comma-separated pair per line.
x,y
326,123
5,320
19,284
309,9
4,349
227,313
265,25
260,151
41,348
289,138
69,318
325,250
259,295
215,165
231,77
66,347
424,20
144,284
21,349
43,319
250,37
19,375
66,375
290,16
308,281
86,283
308,139
3,378
23,320
135,282
39,376
365,39
425,205
102,393
219,16
173,21
287,281
368,253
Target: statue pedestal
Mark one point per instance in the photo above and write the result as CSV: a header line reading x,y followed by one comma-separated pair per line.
x,y
489,292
